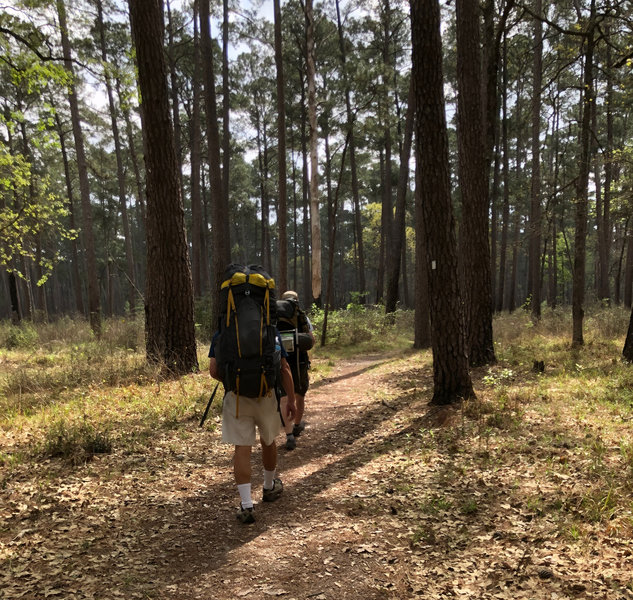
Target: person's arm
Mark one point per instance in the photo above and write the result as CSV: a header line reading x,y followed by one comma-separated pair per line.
x,y
213,369
289,388
213,365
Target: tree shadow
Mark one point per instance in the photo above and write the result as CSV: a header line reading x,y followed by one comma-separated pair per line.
x,y
329,380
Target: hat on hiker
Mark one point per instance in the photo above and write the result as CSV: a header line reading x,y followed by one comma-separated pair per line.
x,y
290,295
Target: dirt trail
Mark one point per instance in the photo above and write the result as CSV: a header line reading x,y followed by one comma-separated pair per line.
x,y
309,544
161,523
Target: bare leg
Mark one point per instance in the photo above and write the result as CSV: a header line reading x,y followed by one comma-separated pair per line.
x,y
242,464
300,400
269,455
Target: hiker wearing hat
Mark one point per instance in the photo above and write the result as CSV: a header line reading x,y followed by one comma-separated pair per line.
x,y
298,337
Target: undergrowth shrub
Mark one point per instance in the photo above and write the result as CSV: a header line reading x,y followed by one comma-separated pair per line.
x,y
126,333
202,314
75,442
23,336
364,325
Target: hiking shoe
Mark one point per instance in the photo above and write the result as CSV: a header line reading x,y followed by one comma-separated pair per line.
x,y
291,442
274,492
245,515
298,428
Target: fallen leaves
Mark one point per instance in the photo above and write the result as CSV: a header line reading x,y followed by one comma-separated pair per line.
x,y
406,510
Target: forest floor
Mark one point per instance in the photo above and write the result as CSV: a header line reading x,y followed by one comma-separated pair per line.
x,y
384,499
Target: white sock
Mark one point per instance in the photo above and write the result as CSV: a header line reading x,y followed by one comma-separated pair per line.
x,y
269,479
245,494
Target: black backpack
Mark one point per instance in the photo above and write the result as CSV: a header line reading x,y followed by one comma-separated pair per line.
x,y
293,326
246,349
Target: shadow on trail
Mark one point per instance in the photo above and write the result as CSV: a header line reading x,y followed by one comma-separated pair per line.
x,y
350,375
167,546
189,539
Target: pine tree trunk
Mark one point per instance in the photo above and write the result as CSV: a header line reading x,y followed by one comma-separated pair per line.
x,y
395,254
450,361
605,238
422,325
77,280
219,216
580,236
358,229
94,304
121,186
505,213
169,312
628,267
534,275
315,223
174,89
307,251
282,203
473,180
226,114
627,351
199,261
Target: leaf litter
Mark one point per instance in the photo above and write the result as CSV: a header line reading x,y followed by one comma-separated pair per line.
x,y
384,499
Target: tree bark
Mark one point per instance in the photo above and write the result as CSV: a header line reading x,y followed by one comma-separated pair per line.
x,y
199,259
627,351
219,217
169,311
605,237
282,206
505,213
422,325
450,361
226,113
121,186
580,236
315,222
534,276
307,280
358,228
473,182
77,279
394,256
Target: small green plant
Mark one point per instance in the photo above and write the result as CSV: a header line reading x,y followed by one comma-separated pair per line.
x,y
470,507
497,378
435,504
626,450
599,506
75,442
574,532
598,452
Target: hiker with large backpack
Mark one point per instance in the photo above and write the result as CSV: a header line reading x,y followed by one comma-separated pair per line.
x,y
297,337
248,357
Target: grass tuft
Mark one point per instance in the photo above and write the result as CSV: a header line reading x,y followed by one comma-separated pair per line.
x,y
75,442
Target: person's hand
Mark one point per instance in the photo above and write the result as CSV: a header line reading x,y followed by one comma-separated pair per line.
x,y
291,410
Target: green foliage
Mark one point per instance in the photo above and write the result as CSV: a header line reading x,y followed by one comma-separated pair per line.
x,y
204,325
365,328
23,336
28,211
76,442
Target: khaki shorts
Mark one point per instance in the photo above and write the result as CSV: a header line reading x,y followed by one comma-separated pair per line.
x,y
240,430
